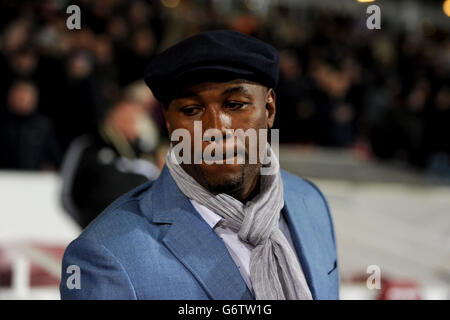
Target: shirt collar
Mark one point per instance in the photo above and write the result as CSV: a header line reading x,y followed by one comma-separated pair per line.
x,y
211,218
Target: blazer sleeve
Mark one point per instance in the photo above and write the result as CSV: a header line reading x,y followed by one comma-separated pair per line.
x,y
90,271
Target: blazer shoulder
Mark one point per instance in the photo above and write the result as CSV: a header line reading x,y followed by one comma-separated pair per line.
x,y
90,271
296,186
299,184
120,219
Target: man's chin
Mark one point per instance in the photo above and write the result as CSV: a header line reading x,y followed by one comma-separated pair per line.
x,y
228,186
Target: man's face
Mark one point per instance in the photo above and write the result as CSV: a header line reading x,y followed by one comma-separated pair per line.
x,y
237,104
22,98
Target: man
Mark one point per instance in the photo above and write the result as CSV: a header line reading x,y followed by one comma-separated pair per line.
x,y
217,230
27,138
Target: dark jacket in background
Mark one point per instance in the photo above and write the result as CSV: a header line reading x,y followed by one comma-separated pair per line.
x,y
27,142
95,174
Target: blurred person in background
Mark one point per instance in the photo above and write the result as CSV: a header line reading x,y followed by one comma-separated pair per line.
x,y
298,121
138,92
134,58
27,138
82,100
15,39
99,167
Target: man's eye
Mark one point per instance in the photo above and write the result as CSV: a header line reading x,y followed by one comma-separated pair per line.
x,y
190,111
235,105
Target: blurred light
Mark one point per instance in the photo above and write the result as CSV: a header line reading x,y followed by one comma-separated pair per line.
x,y
446,7
170,3
363,1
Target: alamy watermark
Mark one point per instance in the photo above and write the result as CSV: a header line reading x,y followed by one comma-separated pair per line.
x,y
374,20
374,280
74,280
74,20
227,147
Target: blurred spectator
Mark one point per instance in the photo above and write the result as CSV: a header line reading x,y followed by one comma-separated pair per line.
x,y
138,92
27,138
296,113
100,167
82,100
14,45
134,59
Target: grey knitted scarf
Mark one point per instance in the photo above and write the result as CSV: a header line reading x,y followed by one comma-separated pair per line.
x,y
275,272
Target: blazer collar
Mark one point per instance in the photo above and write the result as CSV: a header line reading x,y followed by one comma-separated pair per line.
x,y
192,241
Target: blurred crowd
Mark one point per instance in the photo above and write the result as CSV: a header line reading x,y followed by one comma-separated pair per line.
x,y
341,85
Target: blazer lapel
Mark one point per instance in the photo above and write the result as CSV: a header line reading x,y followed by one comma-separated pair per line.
x,y
313,257
192,241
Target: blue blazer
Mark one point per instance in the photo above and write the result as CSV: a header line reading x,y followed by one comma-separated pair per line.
x,y
152,244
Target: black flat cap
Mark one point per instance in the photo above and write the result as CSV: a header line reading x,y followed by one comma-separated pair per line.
x,y
220,55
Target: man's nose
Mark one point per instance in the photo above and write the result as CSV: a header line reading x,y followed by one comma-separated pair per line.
x,y
216,120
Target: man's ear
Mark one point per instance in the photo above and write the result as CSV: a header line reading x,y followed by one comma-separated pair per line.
x,y
270,107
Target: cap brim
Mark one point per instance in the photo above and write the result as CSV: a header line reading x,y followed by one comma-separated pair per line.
x,y
204,74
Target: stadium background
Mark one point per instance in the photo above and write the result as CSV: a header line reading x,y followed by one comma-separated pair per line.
x,y
363,113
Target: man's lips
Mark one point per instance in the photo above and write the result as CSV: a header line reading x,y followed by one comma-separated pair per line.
x,y
230,152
